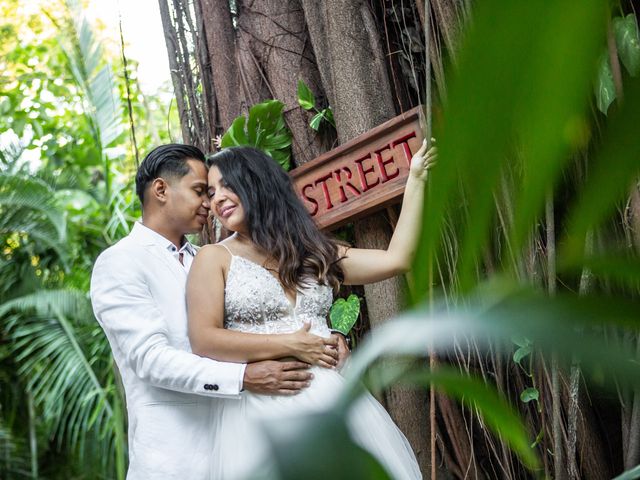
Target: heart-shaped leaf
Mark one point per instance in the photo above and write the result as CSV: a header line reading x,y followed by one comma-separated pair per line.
x,y
344,313
604,87
521,353
529,394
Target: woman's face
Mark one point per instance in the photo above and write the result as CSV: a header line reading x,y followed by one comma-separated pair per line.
x,y
225,204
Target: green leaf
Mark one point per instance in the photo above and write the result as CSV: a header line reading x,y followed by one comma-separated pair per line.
x,y
631,474
530,394
263,129
626,33
316,120
521,353
549,323
65,365
236,134
521,341
328,115
605,89
306,99
344,313
611,173
497,413
283,158
525,77
263,117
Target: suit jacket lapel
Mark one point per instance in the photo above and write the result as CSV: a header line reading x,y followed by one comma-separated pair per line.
x,y
146,238
171,263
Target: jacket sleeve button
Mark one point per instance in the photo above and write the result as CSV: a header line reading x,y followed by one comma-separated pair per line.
x,y
214,386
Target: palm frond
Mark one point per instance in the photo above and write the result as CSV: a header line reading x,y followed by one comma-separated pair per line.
x,y
45,303
14,454
23,194
60,354
95,78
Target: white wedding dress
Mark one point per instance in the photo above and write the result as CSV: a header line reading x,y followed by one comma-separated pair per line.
x,y
255,302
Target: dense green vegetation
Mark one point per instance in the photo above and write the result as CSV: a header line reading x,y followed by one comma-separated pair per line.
x,y
66,163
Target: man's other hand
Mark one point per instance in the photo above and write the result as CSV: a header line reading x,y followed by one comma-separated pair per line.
x,y
343,350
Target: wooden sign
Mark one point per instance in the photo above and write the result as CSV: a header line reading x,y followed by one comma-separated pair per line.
x,y
362,176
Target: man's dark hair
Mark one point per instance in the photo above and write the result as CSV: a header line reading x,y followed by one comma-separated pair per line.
x,y
165,161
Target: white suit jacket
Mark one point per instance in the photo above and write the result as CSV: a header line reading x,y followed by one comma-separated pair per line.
x,y
138,296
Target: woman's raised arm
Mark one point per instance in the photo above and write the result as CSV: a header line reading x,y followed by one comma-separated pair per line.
x,y
361,266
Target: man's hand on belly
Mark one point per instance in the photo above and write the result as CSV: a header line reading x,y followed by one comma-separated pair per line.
x,y
271,377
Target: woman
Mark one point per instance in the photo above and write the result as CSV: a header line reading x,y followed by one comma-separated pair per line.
x,y
274,275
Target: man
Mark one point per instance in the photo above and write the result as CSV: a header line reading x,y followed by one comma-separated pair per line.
x,y
138,296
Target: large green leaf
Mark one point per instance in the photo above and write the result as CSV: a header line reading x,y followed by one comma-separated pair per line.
x,y
498,313
264,129
236,134
520,86
613,171
94,76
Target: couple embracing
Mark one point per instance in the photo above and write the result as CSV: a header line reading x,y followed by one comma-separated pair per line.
x,y
210,343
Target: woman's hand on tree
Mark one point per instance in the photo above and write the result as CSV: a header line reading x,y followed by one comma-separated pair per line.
x,y
423,160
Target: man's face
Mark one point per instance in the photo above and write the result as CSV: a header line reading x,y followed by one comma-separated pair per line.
x,y
187,202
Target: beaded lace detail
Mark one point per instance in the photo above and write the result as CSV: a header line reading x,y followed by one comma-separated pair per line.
x,y
255,302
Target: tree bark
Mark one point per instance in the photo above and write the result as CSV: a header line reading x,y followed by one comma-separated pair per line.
x,y
171,40
275,33
221,45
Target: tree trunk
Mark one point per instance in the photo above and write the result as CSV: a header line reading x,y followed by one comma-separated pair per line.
x,y
275,33
220,37
171,40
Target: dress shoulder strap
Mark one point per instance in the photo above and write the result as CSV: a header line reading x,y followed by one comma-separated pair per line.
x,y
226,248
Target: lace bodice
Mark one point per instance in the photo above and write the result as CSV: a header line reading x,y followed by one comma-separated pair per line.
x,y
255,302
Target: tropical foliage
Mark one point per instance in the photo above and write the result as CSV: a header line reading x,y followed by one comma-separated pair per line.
x,y
262,128
65,194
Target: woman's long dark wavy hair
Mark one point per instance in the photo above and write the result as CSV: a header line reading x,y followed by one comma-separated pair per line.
x,y
276,219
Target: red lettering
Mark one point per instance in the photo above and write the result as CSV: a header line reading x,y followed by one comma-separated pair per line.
x,y
309,199
348,184
405,145
363,173
343,197
325,189
383,165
